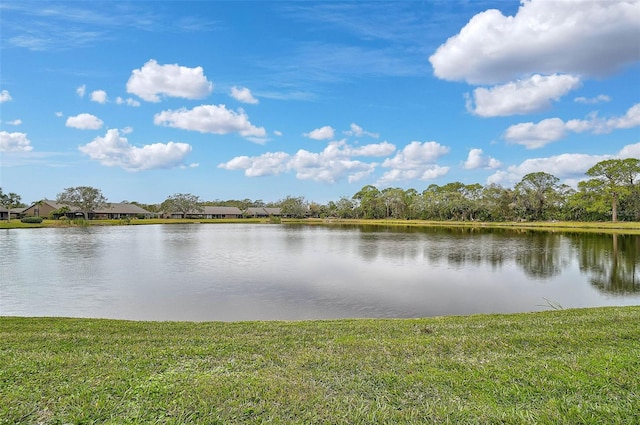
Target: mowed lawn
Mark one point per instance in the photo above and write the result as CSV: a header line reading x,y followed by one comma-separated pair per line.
x,y
561,366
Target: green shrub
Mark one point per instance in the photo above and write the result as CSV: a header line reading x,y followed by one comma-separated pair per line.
x,y
31,220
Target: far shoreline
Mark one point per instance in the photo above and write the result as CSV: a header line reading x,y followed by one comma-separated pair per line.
x,y
620,227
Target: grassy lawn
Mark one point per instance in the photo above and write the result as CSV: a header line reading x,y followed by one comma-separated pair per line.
x,y
569,366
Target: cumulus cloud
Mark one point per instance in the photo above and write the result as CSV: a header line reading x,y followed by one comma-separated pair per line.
x,y
113,150
14,122
59,114
5,96
128,101
323,133
629,120
592,100
536,135
571,166
243,94
521,97
216,119
332,164
357,131
80,91
99,96
174,80
630,151
277,132
84,122
415,161
547,37
270,163
477,159
14,142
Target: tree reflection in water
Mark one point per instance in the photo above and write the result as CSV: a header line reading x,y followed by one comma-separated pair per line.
x,y
611,261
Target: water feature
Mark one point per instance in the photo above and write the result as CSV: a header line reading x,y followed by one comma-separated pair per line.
x,y
291,272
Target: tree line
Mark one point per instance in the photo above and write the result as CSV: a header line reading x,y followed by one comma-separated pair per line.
x,y
612,192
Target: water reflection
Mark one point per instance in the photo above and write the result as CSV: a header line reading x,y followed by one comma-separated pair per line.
x,y
252,272
611,262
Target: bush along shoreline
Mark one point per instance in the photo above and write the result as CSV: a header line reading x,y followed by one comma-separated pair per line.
x,y
579,366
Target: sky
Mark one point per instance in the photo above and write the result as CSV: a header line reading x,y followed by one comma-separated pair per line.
x,y
269,99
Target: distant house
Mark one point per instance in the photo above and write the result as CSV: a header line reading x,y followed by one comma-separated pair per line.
x,y
45,207
263,212
217,212
110,211
120,210
4,213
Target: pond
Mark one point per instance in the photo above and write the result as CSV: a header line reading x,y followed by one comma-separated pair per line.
x,y
229,272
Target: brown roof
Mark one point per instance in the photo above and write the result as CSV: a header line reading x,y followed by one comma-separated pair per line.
x,y
213,210
122,208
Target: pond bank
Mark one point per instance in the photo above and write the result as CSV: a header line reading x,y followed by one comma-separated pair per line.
x,y
558,366
620,227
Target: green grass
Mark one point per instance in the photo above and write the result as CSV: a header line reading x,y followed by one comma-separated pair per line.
x,y
566,366
621,227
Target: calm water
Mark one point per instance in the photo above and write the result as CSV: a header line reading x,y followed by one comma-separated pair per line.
x,y
247,272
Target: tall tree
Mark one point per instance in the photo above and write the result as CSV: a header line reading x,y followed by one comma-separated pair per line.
x,y
618,177
184,203
293,206
9,201
370,202
83,198
536,194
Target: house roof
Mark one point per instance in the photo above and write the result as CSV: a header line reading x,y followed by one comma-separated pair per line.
x,y
111,208
273,211
122,208
263,211
213,210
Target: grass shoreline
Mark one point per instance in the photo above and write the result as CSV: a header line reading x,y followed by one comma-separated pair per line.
x,y
620,227
560,366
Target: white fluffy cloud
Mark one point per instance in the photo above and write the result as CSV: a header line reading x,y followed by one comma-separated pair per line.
x,y
128,101
415,161
14,142
99,96
84,122
113,150
521,97
14,122
243,94
80,91
570,166
536,135
592,100
5,96
477,159
270,163
416,154
548,37
216,119
332,164
630,151
324,133
173,80
357,131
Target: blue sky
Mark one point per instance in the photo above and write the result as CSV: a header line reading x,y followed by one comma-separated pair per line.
x,y
261,100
